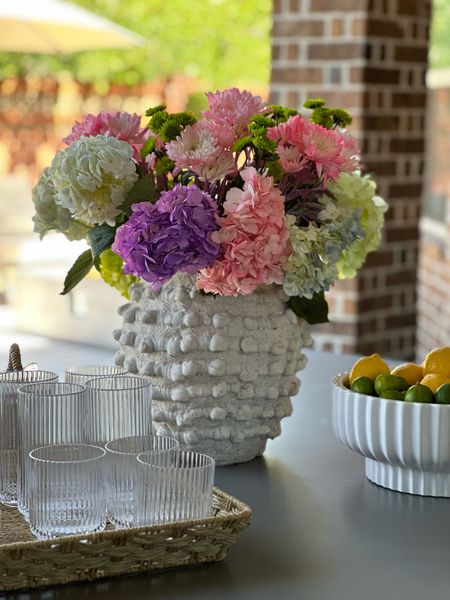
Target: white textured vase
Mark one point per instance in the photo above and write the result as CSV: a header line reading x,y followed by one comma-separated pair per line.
x,y
223,368
406,445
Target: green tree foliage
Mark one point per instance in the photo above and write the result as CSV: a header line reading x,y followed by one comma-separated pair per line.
x,y
440,38
219,42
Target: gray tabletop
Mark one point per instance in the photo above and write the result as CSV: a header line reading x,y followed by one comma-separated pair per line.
x,y
320,530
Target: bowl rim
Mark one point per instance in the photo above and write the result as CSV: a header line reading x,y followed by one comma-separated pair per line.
x,y
338,382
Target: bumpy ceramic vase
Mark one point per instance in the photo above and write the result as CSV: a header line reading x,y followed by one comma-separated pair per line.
x,y
223,368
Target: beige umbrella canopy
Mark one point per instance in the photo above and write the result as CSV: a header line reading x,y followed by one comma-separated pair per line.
x,y
54,27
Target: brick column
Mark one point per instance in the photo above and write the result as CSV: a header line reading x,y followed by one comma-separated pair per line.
x,y
369,56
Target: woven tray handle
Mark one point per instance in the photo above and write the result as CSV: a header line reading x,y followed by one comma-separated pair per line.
x,y
15,359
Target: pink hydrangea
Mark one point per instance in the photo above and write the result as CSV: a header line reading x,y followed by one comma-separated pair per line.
x,y
254,239
198,149
332,151
121,125
230,112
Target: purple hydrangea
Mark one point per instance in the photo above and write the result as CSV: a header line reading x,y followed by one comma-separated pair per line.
x,y
172,235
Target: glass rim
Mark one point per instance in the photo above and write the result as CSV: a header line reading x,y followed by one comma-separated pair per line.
x,y
27,388
52,376
128,437
140,380
65,462
210,462
78,370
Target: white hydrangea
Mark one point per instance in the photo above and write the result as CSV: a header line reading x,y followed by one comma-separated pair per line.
x,y
355,192
92,178
49,216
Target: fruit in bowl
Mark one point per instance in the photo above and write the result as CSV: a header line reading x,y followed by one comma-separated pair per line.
x,y
409,382
399,420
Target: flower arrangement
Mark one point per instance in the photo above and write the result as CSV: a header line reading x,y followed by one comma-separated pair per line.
x,y
248,194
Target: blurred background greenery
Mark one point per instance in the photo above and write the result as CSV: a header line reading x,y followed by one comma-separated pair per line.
x,y
440,38
218,42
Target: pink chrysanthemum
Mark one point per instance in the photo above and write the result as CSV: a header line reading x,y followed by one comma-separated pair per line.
x,y
332,152
324,147
291,132
197,149
254,238
230,112
291,158
121,125
350,154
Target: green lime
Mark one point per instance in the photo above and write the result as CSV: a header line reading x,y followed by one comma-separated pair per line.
x,y
419,393
442,395
390,382
363,385
392,395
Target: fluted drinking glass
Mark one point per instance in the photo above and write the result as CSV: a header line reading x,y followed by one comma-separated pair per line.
x,y
84,373
118,407
175,485
10,381
67,490
122,465
49,413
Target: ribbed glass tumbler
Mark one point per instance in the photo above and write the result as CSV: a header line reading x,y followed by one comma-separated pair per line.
x,y
118,407
82,374
10,381
175,485
49,413
122,465
67,491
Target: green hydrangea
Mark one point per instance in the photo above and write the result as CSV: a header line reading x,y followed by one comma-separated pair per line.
x,y
312,266
111,270
352,191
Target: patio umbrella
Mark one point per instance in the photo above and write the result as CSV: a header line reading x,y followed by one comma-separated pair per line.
x,y
57,27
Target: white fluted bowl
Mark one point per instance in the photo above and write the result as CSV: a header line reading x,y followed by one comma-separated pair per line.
x,y
406,445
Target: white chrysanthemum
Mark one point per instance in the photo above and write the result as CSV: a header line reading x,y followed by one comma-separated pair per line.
x,y
92,178
354,192
49,216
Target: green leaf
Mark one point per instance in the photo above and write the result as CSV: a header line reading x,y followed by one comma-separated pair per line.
x,y
143,191
78,271
101,238
314,310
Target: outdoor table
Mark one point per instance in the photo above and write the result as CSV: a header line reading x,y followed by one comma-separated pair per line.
x,y
320,530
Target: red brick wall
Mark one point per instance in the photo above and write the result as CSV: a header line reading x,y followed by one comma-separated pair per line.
x,y
371,57
433,318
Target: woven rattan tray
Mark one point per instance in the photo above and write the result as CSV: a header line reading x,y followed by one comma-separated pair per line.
x,y
27,563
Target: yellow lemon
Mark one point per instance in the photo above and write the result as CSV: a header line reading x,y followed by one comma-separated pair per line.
x,y
410,372
368,366
433,381
437,361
